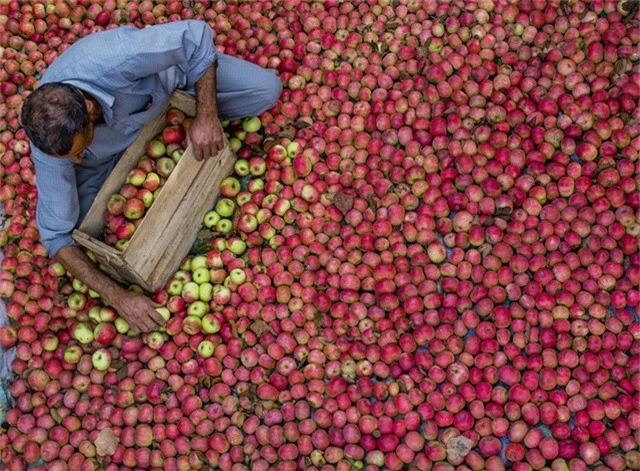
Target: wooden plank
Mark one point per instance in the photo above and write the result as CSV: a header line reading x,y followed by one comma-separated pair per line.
x,y
110,259
187,222
186,197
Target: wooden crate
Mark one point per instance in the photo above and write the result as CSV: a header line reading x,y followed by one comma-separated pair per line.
x,y
172,223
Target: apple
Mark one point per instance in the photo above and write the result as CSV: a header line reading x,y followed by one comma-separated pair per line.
x,y
176,155
121,325
175,304
125,231
257,184
225,207
211,219
49,342
156,148
164,312
76,301
210,324
79,286
237,276
83,333
94,314
277,153
199,261
72,354
252,124
175,117
293,148
224,226
165,166
121,245
8,336
151,182
173,134
191,325
206,292
128,191
145,196
235,144
136,176
201,275
94,294
108,314
247,223
101,359
145,163
155,340
221,294
133,209
104,333
175,287
197,308
257,166
236,245
116,204
190,292
206,348
241,167
230,187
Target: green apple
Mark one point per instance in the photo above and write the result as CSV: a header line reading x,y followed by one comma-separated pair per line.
x,y
94,294
49,342
224,226
293,148
186,264
79,286
206,348
198,309
175,287
199,261
72,354
241,167
237,276
155,340
164,312
83,333
122,326
77,301
210,324
251,124
206,292
101,359
201,275
235,144
225,207
236,245
211,219
136,289
108,314
94,314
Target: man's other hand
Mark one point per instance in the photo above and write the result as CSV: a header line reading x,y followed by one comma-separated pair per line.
x,y
206,136
139,311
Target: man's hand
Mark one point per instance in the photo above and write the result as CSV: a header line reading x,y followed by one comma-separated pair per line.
x,y
139,311
206,136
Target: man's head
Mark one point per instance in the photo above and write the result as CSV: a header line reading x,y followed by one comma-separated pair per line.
x,y
58,120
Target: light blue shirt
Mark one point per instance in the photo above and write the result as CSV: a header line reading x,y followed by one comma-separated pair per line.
x,y
125,69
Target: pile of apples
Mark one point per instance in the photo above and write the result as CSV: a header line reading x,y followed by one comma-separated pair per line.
x,y
426,257
126,209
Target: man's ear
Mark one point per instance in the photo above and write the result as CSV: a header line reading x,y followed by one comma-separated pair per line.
x,y
91,106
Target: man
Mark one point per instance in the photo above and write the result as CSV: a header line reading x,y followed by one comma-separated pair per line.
x,y
90,106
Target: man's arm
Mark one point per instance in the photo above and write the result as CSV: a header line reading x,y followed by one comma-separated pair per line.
x,y
137,309
205,132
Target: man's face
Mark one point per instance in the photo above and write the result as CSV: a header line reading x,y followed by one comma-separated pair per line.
x,y
80,142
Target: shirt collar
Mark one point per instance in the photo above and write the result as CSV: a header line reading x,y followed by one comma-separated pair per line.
x,y
103,97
